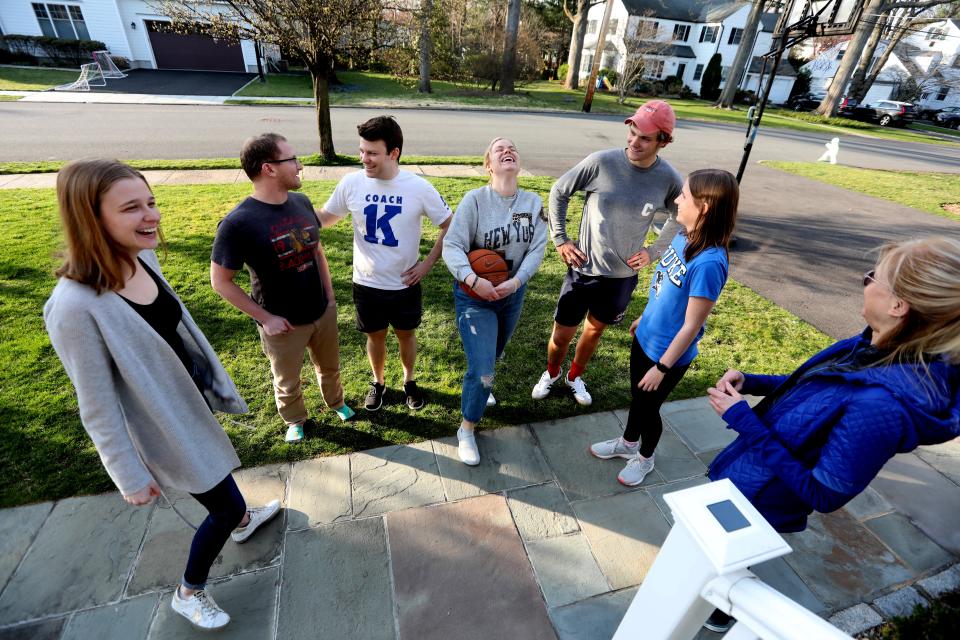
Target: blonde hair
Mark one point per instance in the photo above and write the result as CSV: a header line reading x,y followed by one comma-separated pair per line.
x,y
489,151
92,256
925,273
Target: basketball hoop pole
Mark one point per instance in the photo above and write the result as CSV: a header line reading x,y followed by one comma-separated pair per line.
x,y
805,27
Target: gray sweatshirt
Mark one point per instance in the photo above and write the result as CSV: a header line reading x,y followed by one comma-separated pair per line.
x,y
514,227
619,206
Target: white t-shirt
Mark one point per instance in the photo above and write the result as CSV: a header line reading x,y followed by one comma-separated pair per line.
x,y
386,223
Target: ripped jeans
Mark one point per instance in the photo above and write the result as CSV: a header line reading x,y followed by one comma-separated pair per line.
x,y
485,327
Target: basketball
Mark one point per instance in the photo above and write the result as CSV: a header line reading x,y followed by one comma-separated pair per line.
x,y
489,265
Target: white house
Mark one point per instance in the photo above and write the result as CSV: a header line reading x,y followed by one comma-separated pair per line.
x,y
129,28
691,32
929,56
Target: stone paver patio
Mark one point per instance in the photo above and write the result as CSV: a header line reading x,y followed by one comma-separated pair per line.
x,y
405,542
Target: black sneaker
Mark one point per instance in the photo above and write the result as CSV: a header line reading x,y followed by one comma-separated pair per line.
x,y
374,399
719,622
415,399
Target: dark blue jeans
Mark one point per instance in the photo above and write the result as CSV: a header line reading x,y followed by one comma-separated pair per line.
x,y
227,508
485,328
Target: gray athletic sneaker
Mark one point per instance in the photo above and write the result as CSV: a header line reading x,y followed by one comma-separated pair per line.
x,y
636,470
615,448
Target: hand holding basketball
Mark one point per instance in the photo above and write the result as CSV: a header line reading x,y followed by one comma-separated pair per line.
x,y
491,270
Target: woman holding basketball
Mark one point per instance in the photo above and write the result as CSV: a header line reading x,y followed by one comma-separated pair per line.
x,y
685,286
488,294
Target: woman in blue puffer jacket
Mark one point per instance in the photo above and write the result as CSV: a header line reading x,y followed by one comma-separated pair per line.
x,y
823,433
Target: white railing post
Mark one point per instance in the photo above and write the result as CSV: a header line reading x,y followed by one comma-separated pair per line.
x,y
716,531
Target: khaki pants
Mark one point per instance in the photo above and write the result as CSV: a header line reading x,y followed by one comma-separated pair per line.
x,y
321,340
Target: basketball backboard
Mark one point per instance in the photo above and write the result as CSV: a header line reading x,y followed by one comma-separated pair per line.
x,y
833,17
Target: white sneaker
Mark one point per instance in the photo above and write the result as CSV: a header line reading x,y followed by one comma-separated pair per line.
x,y
636,470
580,393
467,447
542,389
200,609
258,516
491,401
616,448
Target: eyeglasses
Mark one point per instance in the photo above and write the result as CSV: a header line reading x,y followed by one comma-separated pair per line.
x,y
294,158
870,276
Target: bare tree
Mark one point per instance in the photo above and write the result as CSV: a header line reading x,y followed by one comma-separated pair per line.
x,y
426,43
742,59
579,20
640,47
315,31
510,48
872,10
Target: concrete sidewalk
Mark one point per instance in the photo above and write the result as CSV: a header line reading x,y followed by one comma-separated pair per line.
x,y
405,542
230,176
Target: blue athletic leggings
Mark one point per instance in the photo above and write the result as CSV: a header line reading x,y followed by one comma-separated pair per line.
x,y
227,508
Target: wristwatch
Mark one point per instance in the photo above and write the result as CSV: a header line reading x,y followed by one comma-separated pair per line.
x,y
662,368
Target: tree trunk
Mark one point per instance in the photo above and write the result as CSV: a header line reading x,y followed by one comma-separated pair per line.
x,y
578,35
828,107
858,88
742,60
426,44
321,96
898,35
510,48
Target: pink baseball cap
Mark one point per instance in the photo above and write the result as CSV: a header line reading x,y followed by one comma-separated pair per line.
x,y
655,114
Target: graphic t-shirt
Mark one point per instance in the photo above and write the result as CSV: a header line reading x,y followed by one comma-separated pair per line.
x,y
386,223
277,243
674,282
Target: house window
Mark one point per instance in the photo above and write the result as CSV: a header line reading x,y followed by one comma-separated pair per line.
x,y
612,27
654,69
942,93
647,29
61,21
587,62
698,72
724,72
840,53
592,26
736,35
681,32
709,34
937,34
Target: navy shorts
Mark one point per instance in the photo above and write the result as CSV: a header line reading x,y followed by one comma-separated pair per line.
x,y
606,299
379,308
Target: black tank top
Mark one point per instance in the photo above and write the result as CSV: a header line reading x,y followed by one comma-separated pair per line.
x,y
163,315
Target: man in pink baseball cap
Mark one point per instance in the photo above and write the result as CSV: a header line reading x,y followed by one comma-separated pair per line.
x,y
623,190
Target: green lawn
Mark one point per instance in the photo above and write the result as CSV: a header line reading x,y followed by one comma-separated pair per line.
x,y
20,79
9,98
51,166
935,129
925,191
45,453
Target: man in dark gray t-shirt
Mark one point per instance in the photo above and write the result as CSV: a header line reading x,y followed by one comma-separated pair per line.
x,y
623,190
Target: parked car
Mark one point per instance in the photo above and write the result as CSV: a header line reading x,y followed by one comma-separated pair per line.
x,y
887,113
948,117
805,101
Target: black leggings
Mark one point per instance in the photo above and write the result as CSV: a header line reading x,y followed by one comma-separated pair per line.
x,y
227,508
644,422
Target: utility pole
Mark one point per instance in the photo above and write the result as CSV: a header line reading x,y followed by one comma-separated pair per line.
x,y
598,56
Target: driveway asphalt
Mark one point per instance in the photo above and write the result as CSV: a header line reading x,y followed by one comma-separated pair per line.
x,y
184,83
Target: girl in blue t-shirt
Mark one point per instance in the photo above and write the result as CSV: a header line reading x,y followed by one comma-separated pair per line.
x,y
685,286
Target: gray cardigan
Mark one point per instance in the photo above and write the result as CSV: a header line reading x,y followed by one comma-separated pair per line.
x,y
137,401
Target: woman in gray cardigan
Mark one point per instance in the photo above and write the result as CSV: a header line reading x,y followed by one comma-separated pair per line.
x,y
146,378
504,218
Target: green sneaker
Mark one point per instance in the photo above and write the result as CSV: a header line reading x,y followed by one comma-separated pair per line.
x,y
345,413
294,432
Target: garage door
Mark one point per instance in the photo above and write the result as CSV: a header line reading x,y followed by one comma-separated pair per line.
x,y
193,51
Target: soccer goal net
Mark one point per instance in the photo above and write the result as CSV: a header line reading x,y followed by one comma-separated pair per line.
x,y
107,66
90,76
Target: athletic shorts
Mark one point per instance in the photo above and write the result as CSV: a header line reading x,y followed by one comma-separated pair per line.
x,y
605,298
379,308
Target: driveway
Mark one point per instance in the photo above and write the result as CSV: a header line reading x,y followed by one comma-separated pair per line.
x,y
178,83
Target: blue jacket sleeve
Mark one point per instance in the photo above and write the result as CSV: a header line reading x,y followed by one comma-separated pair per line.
x,y
848,461
757,385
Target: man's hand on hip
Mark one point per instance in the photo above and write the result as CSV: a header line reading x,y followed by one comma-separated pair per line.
x,y
639,260
571,255
276,325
